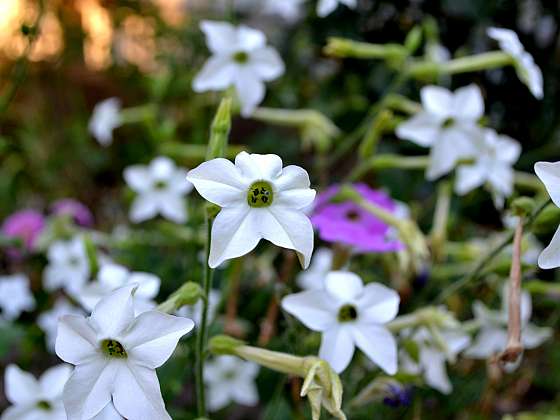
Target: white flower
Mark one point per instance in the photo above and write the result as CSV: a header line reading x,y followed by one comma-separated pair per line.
x,y
230,379
314,276
432,359
68,266
437,52
106,117
161,188
289,10
108,413
527,71
326,7
349,314
494,157
48,320
34,399
447,124
492,337
194,312
116,355
240,59
549,174
113,276
259,200
15,296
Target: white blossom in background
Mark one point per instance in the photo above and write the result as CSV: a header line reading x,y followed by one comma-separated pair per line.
x,y
492,336
194,312
116,354
289,10
314,276
34,399
259,200
68,266
105,118
549,174
349,314
161,187
494,158
437,52
114,276
229,379
15,296
447,124
531,19
240,58
527,71
326,7
432,359
48,320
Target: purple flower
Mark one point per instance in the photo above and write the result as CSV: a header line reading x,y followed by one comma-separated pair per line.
x,y
79,212
25,225
349,224
398,396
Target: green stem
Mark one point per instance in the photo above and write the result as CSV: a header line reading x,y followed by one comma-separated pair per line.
x,y
485,61
388,161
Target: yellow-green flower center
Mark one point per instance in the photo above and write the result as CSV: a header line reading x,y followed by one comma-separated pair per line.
x,y
44,405
113,348
449,122
260,194
240,57
347,313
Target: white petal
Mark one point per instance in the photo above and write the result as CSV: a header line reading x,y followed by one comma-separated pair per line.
x,y
137,394
488,342
550,257
508,40
138,178
148,284
549,174
378,344
21,387
249,39
468,178
533,336
509,149
422,129
344,286
114,313
314,308
245,392
178,183
378,304
219,35
255,167
22,412
456,342
452,145
292,177
218,395
337,347
217,74
108,413
501,179
173,208
266,63
435,372
437,101
113,275
162,168
76,341
234,233
250,90
326,7
53,380
468,103
144,207
153,336
219,182
88,390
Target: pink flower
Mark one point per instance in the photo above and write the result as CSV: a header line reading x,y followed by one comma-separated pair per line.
x,y
349,224
25,225
79,212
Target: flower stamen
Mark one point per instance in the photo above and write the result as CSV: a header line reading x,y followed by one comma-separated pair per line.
x,y
347,313
113,348
260,194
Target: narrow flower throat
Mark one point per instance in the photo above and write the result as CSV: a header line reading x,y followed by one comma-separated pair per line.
x,y
241,57
260,194
113,348
347,313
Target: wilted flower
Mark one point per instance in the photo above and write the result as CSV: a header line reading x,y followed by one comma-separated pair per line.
x,y
314,276
527,71
105,118
349,314
48,320
35,399
25,225
349,224
326,7
68,266
73,208
15,296
495,154
116,354
161,188
240,59
549,174
259,200
446,124
230,379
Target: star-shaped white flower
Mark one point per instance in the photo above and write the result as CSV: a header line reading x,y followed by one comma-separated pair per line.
x,y
68,266
432,359
105,118
527,71
112,276
326,7
48,320
549,174
240,58
494,157
15,296
492,337
34,399
194,312
314,276
230,379
116,355
446,124
349,314
259,200
161,188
